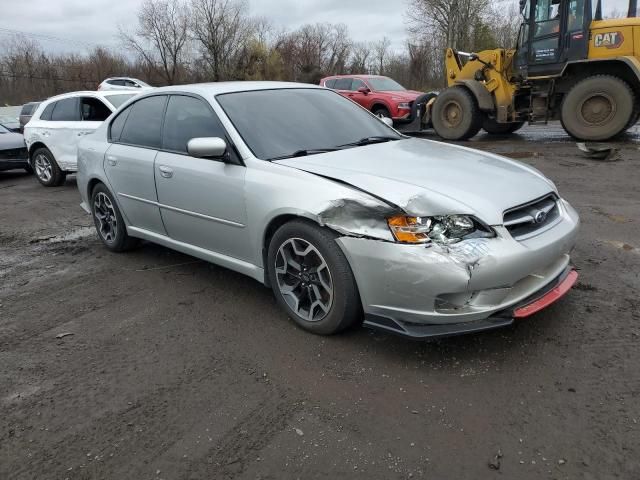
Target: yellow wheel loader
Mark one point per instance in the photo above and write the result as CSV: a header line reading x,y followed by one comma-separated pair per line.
x,y
570,64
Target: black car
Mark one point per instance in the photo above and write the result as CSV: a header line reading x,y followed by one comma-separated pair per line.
x,y
28,109
13,151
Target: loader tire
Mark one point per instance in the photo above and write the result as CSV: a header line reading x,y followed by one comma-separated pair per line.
x,y
598,108
456,115
492,127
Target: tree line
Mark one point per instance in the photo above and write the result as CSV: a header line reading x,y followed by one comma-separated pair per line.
x,y
186,41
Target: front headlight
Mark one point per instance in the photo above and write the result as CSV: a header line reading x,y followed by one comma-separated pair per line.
x,y
404,105
444,230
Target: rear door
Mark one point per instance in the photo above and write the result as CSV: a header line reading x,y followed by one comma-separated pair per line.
x,y
59,133
135,137
343,86
202,200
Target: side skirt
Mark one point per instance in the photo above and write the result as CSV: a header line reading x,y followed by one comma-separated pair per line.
x,y
225,261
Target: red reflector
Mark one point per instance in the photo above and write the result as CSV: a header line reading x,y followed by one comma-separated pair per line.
x,y
548,298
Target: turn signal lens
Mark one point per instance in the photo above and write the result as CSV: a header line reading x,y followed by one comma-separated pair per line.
x,y
410,229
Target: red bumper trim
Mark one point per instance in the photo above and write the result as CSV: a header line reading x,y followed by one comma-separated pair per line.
x,y
548,298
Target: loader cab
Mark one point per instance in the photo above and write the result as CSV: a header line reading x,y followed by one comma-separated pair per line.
x,y
553,32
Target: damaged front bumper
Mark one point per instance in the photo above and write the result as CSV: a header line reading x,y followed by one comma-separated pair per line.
x,y
461,288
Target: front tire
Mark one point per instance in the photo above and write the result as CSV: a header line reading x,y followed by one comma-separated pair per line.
x,y
311,278
598,108
492,127
381,112
46,168
107,218
456,115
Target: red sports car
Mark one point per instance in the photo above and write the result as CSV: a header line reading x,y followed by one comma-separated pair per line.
x,y
381,95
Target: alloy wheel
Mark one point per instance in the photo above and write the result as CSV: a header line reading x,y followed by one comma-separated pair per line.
x,y
43,167
304,279
105,215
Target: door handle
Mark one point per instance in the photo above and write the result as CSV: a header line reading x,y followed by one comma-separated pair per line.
x,y
166,172
111,160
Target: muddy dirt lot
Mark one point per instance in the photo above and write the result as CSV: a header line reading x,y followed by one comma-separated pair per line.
x,y
179,369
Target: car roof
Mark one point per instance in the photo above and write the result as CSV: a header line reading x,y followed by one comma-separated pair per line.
x,y
89,93
355,76
217,88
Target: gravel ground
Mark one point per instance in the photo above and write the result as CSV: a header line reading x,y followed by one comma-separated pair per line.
x,y
173,368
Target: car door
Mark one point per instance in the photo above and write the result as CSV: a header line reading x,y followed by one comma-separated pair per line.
x,y
359,97
343,86
135,137
202,201
59,133
93,112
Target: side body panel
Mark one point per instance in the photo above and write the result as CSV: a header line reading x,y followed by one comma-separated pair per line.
x,y
202,203
130,171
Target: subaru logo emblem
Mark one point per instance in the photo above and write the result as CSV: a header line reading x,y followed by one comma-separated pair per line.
x,y
540,216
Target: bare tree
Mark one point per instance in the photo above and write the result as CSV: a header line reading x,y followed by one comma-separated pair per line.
x,y
360,58
451,20
222,29
162,36
381,51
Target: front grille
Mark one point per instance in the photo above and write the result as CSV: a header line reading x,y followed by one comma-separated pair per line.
x,y
14,154
532,218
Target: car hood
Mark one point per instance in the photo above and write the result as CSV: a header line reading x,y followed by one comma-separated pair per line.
x,y
404,95
425,177
11,140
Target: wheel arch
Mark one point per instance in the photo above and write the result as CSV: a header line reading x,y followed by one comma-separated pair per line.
x,y
623,68
480,93
269,231
35,146
380,103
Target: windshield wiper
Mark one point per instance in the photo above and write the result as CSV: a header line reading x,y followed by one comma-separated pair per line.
x,y
305,153
369,141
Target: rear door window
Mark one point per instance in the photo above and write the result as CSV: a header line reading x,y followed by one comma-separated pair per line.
x,y
343,84
119,83
93,110
144,123
66,110
188,118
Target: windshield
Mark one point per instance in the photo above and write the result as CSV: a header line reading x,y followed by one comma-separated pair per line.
x,y
384,84
279,123
117,100
3,130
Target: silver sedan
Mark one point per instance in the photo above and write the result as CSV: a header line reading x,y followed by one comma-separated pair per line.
x,y
343,217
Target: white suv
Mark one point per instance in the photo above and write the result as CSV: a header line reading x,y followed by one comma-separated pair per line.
x,y
123,83
53,133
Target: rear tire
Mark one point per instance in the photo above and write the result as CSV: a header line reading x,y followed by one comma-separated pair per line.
x,y
311,278
598,108
107,218
455,114
46,168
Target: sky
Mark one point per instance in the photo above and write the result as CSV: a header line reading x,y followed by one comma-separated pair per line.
x,y
75,25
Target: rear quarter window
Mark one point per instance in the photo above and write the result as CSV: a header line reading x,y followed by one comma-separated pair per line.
x,y
330,83
46,113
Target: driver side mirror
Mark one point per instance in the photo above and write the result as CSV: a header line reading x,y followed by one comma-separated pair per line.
x,y
388,121
207,147
365,90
